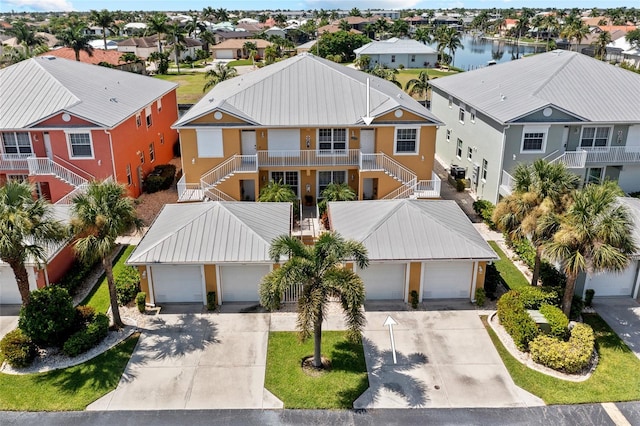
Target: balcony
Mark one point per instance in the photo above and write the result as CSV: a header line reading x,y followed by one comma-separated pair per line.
x,y
613,154
309,158
14,161
506,184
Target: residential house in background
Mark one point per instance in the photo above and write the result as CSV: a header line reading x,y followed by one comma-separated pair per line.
x,y
234,48
109,58
396,52
142,47
307,121
64,123
561,106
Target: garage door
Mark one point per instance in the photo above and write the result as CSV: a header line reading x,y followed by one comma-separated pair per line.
x,y
177,283
224,54
9,293
241,283
446,280
610,284
384,281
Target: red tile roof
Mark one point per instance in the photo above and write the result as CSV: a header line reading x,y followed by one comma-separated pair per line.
x,y
111,57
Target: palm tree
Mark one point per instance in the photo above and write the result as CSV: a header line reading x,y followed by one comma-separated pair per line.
x,y
319,268
277,192
220,72
362,62
103,19
194,26
221,15
600,45
550,24
419,86
280,19
250,50
453,42
381,26
633,37
26,36
175,32
385,73
271,53
99,216
344,25
336,192
423,35
594,236
27,228
355,12
74,36
157,24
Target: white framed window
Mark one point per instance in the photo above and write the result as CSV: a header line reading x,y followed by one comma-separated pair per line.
x,y
448,135
461,115
393,58
472,117
288,178
80,145
141,154
450,102
332,140
18,178
209,143
152,152
459,149
534,139
470,153
595,137
159,104
406,140
325,177
16,143
413,58
483,174
129,177
594,175
138,120
147,113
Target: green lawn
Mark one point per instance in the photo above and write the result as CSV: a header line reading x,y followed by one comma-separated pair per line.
x,y
509,273
335,389
99,296
617,377
189,85
240,62
70,389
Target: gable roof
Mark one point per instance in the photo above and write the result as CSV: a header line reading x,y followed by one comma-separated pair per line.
x,y
410,229
142,42
585,87
37,88
213,232
304,90
239,44
99,55
395,46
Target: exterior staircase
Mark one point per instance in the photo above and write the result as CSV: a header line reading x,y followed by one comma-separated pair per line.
x,y
410,186
45,166
222,172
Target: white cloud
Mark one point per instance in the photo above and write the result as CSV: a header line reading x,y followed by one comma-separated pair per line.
x,y
39,5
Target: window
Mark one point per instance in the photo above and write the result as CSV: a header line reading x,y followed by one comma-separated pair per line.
x,y
16,143
450,102
448,135
161,138
328,176
393,58
159,104
80,144
485,164
288,178
473,116
332,140
152,153
138,120
141,154
461,115
406,141
470,154
18,178
594,175
595,137
147,113
534,139
209,143
129,178
459,149
413,58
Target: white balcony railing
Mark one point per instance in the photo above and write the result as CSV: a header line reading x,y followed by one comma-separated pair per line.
x,y
429,188
506,184
612,154
214,194
303,158
382,162
189,191
14,161
68,199
403,191
572,159
235,164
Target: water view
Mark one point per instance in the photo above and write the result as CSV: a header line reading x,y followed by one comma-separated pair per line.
x,y
478,52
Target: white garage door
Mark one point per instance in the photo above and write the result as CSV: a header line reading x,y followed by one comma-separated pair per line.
x,y
224,54
611,284
9,293
241,283
177,283
446,280
384,281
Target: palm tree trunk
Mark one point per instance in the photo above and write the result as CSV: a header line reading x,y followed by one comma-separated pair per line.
x,y
77,55
104,37
536,266
108,270
317,342
567,298
22,278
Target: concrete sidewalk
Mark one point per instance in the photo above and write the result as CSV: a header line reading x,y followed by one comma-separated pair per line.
x,y
623,316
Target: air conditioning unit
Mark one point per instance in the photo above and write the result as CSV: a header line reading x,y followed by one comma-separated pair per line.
x,y
458,172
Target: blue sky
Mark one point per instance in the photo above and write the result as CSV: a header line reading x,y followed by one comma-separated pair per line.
x,y
170,5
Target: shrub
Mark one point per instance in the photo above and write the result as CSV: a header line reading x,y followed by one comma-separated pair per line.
x,y
485,209
211,301
17,349
401,66
414,299
481,297
49,317
516,320
84,316
492,279
558,321
549,275
570,357
534,297
127,284
460,185
160,178
576,307
588,297
153,184
83,340
76,276
141,301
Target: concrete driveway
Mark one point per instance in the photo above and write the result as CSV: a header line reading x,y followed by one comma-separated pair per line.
x,y
8,318
196,361
444,359
623,316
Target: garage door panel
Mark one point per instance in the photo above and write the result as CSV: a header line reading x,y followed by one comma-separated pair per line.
x,y
224,54
446,280
9,293
241,283
177,283
613,284
384,281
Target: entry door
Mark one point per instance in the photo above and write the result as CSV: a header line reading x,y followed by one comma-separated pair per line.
x,y
633,139
47,146
140,177
248,142
367,141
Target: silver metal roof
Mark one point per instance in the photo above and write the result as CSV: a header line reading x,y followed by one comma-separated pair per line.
x,y
394,46
304,90
590,89
410,229
213,232
37,88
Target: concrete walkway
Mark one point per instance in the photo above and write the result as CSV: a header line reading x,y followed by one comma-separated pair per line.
x,y
623,316
8,318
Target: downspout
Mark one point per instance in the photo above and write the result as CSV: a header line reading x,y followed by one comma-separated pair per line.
x,y
113,161
502,153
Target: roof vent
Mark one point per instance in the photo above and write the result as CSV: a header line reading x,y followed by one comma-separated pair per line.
x,y
48,57
114,100
399,95
502,97
211,100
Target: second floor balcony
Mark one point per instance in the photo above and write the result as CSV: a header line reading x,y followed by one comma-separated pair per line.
x,y
15,162
309,158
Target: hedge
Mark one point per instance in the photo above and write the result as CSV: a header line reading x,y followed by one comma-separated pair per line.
x,y
18,349
127,284
76,276
558,321
160,178
569,357
485,210
516,320
534,297
549,275
49,318
86,339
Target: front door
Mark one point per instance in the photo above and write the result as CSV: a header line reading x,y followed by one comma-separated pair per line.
x,y
47,146
367,141
248,142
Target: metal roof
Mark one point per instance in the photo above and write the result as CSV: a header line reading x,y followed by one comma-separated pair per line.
x,y
395,46
590,89
213,232
37,88
410,229
304,90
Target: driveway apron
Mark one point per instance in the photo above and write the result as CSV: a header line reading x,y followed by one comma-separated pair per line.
x,y
623,316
